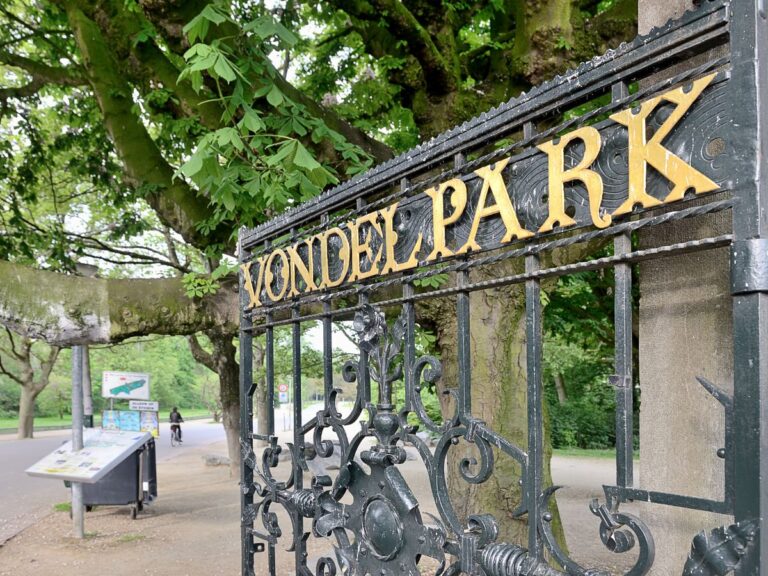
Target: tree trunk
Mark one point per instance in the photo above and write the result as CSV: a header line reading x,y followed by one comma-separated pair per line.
x,y
230,412
562,397
499,398
222,361
260,406
27,412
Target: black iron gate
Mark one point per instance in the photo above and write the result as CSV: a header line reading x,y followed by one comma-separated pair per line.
x,y
682,137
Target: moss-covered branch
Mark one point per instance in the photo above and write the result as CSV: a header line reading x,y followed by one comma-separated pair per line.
x,y
176,204
65,310
43,73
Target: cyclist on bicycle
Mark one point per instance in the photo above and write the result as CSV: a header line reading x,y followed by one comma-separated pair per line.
x,y
176,420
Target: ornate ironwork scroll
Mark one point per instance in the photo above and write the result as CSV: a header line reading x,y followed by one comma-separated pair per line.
x,y
670,137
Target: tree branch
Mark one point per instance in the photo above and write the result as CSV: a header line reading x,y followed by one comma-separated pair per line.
x,y
65,310
13,345
176,203
201,355
43,72
443,73
9,374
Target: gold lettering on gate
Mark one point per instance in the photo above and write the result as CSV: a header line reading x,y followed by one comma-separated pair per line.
x,y
643,151
494,182
298,276
298,267
253,293
390,239
325,267
363,247
439,220
270,275
559,176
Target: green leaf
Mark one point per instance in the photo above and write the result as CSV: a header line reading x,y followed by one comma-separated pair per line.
x,y
267,26
224,70
211,13
192,166
224,135
197,28
282,153
198,50
228,199
251,120
203,63
304,159
275,97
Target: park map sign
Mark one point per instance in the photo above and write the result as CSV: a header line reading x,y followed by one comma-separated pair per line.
x,y
659,151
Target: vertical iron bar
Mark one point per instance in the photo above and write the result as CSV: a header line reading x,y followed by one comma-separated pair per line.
x,y
269,369
409,344
748,84
269,372
298,439
622,313
363,375
464,333
246,421
327,345
533,335
622,319
327,353
534,339
464,352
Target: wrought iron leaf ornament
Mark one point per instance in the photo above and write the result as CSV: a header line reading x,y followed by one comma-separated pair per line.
x,y
719,552
369,325
383,345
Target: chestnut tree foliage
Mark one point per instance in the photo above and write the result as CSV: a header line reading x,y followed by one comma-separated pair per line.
x,y
141,134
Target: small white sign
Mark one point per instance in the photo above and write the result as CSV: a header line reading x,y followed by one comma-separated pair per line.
x,y
144,405
125,385
102,451
283,397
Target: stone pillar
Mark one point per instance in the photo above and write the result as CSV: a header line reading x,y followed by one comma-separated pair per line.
x,y
685,331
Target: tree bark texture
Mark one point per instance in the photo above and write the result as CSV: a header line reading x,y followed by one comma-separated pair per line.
x,y
222,360
65,310
499,397
27,412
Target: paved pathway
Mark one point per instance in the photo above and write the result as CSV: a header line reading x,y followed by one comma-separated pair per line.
x,y
25,499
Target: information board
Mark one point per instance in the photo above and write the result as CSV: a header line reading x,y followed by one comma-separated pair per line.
x,y
125,385
130,421
102,451
144,405
150,423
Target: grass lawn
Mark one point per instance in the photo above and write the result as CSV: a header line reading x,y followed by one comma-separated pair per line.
x,y
45,421
589,453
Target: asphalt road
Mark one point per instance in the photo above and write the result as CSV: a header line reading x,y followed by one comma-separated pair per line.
x,y
24,499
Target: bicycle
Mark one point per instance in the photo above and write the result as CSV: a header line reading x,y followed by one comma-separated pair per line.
x,y
175,435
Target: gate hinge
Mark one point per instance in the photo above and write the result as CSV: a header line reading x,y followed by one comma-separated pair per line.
x,y
749,266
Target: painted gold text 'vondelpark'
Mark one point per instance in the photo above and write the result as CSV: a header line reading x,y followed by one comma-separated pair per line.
x,y
368,245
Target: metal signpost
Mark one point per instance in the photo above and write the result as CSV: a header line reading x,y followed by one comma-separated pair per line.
x,y
675,142
78,510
